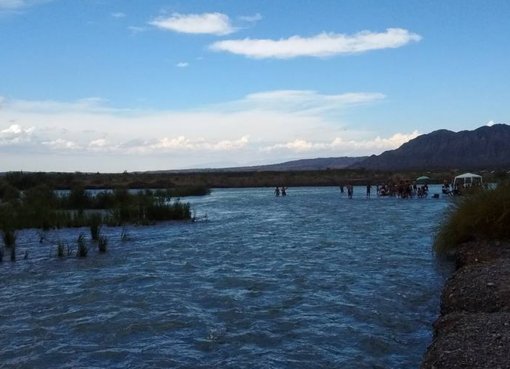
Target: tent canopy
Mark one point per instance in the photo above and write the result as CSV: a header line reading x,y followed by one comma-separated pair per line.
x,y
469,175
467,180
423,178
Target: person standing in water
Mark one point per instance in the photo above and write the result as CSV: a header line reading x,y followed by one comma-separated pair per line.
x,y
277,191
284,191
369,188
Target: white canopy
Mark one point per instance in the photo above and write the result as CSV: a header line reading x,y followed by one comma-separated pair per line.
x,y
468,175
467,180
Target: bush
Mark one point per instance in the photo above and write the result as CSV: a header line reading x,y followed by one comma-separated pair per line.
x,y
480,215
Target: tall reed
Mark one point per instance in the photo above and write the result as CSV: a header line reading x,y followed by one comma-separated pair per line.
x,y
82,246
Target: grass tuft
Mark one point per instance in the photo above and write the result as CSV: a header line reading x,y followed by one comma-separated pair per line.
x,y
480,215
124,235
95,226
102,244
82,246
9,238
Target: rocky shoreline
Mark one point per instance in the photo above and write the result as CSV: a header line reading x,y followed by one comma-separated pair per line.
x,y
473,330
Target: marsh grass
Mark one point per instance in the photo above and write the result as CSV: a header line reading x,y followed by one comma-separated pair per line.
x,y
124,235
63,249
9,238
102,244
95,221
480,215
82,246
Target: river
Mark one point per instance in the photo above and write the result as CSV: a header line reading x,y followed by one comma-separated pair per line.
x,y
310,280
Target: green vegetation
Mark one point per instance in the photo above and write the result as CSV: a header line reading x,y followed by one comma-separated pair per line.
x,y
480,215
40,207
44,201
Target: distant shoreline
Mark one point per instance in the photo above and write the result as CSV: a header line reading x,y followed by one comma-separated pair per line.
x,y
224,179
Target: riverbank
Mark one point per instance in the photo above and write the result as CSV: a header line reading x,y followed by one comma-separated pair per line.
x,y
473,330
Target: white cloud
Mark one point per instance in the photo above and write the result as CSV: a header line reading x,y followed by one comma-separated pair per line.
x,y
118,15
488,124
322,45
373,145
15,135
182,65
181,143
206,23
306,100
61,144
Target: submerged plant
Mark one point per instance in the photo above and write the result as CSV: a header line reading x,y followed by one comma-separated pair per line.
x,y
124,235
61,247
82,246
13,252
102,243
95,226
9,238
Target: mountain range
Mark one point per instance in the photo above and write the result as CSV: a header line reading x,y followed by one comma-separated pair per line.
x,y
487,147
483,148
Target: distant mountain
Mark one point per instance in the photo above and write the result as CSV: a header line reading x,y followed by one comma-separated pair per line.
x,y
309,164
484,148
296,165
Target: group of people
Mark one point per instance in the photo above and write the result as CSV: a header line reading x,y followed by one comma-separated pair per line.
x,y
350,190
282,191
403,189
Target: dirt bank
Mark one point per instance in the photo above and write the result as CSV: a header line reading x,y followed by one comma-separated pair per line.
x,y
473,330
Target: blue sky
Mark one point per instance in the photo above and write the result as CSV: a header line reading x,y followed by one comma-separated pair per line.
x,y
113,85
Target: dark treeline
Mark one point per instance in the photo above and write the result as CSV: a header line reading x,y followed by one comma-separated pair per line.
x,y
197,183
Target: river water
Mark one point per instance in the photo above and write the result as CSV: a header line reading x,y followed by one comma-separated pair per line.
x,y
311,280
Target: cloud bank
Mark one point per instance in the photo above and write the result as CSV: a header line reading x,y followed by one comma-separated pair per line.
x,y
321,45
263,127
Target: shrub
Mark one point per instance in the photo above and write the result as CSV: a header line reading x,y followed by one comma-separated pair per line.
x,y
480,215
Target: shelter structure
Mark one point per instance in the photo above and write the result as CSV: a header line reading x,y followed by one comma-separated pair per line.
x,y
467,180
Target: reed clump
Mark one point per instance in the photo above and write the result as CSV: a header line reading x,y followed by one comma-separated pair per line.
x,y
95,222
82,246
480,215
102,244
43,208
